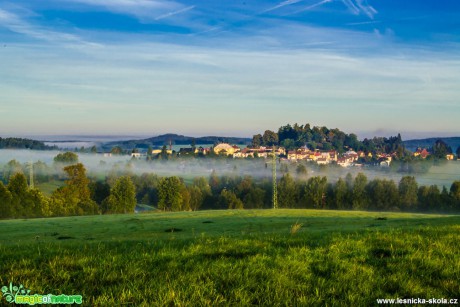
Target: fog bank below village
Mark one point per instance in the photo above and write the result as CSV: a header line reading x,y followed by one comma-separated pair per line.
x,y
100,165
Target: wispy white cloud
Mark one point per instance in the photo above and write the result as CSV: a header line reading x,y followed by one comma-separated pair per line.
x,y
363,23
283,67
130,6
360,7
144,10
280,5
170,14
351,6
313,6
16,24
366,8
140,79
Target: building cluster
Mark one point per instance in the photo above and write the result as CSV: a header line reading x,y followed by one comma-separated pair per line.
x,y
302,154
423,153
345,159
326,157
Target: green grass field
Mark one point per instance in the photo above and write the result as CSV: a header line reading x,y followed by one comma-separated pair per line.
x,y
48,188
235,258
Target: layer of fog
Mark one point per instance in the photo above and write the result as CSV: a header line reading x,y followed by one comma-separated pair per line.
x,y
100,165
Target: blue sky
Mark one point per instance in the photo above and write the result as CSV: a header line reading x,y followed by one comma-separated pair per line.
x,y
229,67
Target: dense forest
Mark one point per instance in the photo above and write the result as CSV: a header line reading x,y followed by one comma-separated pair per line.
x,y
19,143
323,138
120,190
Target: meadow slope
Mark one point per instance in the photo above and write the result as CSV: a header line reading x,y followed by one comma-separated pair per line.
x,y
235,257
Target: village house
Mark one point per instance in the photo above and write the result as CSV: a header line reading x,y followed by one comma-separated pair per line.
x,y
105,154
158,151
225,148
264,152
351,155
299,154
344,162
385,157
423,153
246,152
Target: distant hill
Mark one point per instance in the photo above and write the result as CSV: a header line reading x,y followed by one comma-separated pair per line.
x,y
176,139
412,145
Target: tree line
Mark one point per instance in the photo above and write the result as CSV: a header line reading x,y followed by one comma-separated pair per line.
x,y
20,143
120,192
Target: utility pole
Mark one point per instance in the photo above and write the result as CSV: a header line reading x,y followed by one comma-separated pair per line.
x,y
31,175
275,190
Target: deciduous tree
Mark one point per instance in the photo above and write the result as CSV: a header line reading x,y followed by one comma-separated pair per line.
x,y
360,199
19,192
408,188
75,197
270,138
6,210
66,158
341,195
170,197
257,140
122,198
315,191
228,199
287,192
11,168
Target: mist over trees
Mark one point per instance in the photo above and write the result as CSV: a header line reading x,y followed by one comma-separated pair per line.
x,y
66,158
119,189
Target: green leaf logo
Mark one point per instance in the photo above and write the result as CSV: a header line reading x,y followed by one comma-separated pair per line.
x,y
10,292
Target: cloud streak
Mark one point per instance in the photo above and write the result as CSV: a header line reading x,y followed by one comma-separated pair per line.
x,y
360,7
14,23
363,23
144,10
280,5
313,6
170,14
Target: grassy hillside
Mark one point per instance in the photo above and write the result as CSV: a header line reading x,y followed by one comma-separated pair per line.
x,y
262,257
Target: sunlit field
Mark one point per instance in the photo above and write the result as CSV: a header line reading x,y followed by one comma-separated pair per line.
x,y
234,258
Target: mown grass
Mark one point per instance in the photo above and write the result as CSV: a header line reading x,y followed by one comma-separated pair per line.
x,y
250,257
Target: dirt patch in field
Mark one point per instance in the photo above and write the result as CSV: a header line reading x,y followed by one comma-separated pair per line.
x,y
381,253
65,238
